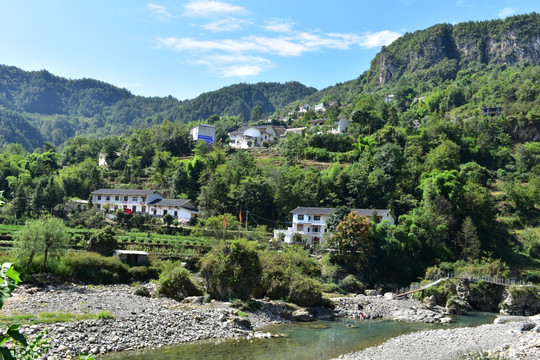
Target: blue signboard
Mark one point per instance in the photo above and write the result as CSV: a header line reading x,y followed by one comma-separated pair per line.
x,y
208,139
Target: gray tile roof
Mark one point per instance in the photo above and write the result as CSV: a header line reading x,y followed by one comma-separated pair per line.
x,y
327,211
171,202
124,192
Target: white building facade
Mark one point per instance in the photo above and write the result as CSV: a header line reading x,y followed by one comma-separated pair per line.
x,y
340,126
252,136
144,202
203,132
310,222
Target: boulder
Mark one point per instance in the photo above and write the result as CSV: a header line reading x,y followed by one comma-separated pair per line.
x,y
242,322
430,301
372,292
521,300
527,326
456,306
302,315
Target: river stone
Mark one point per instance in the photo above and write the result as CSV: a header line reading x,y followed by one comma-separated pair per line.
x,y
528,326
302,315
371,292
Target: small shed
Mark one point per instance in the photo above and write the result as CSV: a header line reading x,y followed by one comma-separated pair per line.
x,y
132,257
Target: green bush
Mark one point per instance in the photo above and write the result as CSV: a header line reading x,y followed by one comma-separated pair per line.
x,y
245,305
175,282
290,275
92,268
144,273
351,284
532,276
231,270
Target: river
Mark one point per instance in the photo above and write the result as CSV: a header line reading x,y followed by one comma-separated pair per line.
x,y
324,339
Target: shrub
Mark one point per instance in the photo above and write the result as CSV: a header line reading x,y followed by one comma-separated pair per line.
x,y
288,275
231,270
143,273
103,241
352,284
247,305
141,290
92,268
175,282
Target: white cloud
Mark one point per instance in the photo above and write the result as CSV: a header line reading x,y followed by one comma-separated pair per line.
x,y
236,65
294,45
160,12
503,13
278,26
226,25
242,56
372,40
210,9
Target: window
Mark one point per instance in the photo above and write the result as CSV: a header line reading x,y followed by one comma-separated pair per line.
x,y
107,198
135,198
164,212
98,206
316,229
125,198
125,207
143,209
143,199
300,217
317,218
176,213
300,227
116,198
155,212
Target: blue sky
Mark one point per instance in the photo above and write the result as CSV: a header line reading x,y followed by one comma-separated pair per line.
x,y
185,48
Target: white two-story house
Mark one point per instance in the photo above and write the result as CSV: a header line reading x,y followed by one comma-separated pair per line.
x,y
146,202
338,127
252,136
310,222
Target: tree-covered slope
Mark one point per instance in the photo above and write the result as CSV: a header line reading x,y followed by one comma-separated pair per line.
x,y
240,99
427,58
52,108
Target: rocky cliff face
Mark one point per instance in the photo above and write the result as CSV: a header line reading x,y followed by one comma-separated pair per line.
x,y
505,42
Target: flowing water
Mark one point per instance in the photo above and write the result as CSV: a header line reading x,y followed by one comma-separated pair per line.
x,y
325,339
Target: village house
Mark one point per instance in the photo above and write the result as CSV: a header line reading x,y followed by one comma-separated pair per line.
x,y
144,202
320,108
304,108
310,222
254,136
339,127
203,132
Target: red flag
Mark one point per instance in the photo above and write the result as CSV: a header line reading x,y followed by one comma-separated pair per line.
x,y
240,216
224,222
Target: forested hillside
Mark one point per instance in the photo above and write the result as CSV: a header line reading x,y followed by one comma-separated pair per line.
x,y
240,99
418,62
38,106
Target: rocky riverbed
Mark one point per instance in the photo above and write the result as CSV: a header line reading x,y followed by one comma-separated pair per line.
x,y
508,338
386,307
150,322
139,322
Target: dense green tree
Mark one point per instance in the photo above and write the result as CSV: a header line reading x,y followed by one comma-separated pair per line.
x,y
46,236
